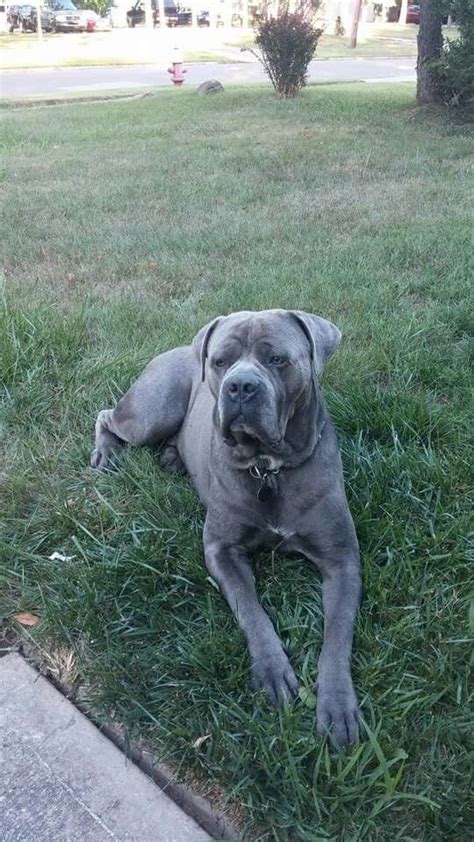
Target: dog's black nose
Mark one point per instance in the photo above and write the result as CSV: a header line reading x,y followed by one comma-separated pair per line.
x,y
243,387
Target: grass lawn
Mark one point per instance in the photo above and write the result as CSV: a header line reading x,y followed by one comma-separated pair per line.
x,y
121,47
374,40
129,225
138,46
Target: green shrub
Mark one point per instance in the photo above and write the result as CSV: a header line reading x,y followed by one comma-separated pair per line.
x,y
454,70
287,43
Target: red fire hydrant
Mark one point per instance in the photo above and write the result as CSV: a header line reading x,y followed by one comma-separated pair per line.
x,y
177,70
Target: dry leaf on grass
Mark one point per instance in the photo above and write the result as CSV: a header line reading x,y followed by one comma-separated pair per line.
x,y
26,619
200,740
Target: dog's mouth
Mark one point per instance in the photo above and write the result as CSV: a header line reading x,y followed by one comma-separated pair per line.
x,y
239,431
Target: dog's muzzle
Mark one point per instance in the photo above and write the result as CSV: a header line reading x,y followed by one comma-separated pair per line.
x,y
247,406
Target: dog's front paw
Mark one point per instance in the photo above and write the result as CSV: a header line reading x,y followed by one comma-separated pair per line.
x,y
102,459
274,674
337,710
171,461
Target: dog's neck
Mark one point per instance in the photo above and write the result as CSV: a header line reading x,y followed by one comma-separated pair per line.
x,y
303,432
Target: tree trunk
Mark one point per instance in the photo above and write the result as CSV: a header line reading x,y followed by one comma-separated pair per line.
x,y
430,41
161,13
39,26
356,9
227,14
148,14
403,12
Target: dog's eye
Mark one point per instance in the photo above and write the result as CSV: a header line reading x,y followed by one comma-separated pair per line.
x,y
219,362
276,360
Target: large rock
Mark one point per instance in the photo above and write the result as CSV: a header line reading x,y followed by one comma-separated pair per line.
x,y
210,87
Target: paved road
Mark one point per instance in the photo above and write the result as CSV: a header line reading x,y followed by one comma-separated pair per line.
x,y
67,80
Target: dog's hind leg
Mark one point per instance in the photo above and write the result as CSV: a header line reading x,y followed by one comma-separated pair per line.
x,y
151,411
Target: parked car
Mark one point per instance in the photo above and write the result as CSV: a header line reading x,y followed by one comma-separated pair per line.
x,y
413,14
25,17
66,16
104,24
185,18
89,19
136,15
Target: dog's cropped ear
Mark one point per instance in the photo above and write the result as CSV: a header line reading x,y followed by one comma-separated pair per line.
x,y
201,343
322,335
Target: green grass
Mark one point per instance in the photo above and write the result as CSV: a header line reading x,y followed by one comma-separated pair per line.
x,y
369,46
21,51
200,56
101,49
129,225
374,41
129,47
74,97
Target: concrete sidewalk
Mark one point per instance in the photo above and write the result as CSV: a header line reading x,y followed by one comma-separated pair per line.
x,y
61,779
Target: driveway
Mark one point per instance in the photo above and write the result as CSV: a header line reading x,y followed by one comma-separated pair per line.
x,y
68,80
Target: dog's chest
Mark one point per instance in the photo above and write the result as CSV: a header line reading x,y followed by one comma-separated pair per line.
x,y
278,535
275,522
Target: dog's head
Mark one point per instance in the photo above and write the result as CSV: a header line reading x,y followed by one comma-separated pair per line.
x,y
261,367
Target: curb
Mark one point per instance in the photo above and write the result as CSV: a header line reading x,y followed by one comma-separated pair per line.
x,y
215,823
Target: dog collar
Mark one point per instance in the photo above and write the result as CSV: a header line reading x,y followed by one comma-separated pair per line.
x,y
267,477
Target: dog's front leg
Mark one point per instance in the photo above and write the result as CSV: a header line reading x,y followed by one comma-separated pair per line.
x,y
230,567
337,702
332,546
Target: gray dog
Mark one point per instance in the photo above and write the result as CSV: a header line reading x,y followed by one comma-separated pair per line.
x,y
241,410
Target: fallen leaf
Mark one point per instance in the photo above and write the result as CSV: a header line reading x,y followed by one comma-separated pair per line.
x,y
26,619
70,276
59,557
200,740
